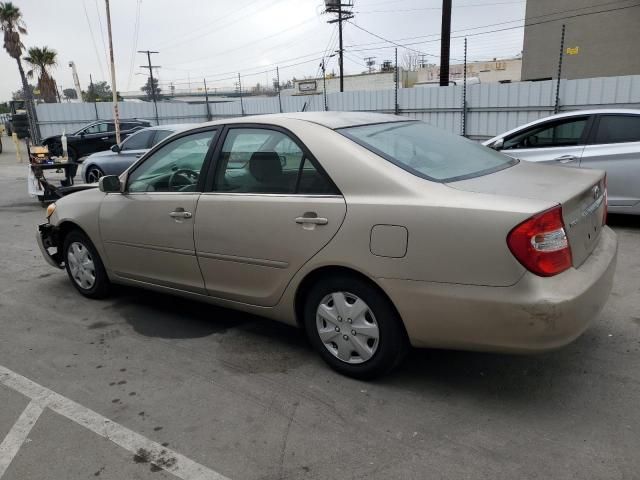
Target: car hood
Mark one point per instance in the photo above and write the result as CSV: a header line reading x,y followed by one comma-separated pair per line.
x,y
103,154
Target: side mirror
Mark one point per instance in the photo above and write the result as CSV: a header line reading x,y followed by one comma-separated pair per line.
x,y
109,184
116,148
498,144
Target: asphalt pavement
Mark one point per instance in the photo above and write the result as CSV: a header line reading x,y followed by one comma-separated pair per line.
x,y
143,385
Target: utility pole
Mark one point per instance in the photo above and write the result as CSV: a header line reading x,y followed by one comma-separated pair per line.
x,y
445,43
206,99
344,12
116,115
240,92
556,105
95,105
370,62
278,80
153,83
324,85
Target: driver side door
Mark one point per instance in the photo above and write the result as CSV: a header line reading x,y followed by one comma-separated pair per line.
x,y
147,231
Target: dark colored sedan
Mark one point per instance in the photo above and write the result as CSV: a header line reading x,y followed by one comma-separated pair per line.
x,y
120,157
95,137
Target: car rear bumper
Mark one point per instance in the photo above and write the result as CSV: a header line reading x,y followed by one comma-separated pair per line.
x,y
534,315
46,237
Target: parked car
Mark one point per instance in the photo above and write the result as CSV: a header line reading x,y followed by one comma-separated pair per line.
x,y
370,231
94,137
606,139
120,157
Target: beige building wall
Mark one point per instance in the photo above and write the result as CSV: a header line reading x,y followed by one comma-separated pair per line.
x,y
596,44
494,71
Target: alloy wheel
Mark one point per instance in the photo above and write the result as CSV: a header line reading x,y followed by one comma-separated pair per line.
x,y
94,174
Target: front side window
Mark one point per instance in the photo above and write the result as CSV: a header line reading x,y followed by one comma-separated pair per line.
x,y
426,151
563,133
618,129
255,160
175,167
138,141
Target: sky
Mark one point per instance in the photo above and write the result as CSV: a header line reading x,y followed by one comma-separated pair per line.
x,y
212,39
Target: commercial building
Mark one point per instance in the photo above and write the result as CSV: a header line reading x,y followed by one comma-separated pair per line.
x,y
600,41
365,81
493,71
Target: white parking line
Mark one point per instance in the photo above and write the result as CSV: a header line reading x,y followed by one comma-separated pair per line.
x,y
18,434
41,397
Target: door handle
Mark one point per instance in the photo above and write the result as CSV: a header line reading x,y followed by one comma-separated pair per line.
x,y
312,220
138,155
104,138
567,159
180,213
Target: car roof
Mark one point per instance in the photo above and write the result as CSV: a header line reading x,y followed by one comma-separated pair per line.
x,y
332,120
173,127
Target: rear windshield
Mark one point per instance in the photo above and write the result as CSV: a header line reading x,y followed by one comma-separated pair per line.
x,y
428,152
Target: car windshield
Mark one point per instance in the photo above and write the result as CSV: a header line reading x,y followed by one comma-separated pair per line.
x,y
428,152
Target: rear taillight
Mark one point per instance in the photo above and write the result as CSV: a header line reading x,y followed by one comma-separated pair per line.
x,y
540,243
606,202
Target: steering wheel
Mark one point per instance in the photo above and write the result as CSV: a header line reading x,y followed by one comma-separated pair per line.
x,y
182,178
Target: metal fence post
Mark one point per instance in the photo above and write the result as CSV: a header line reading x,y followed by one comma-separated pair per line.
x,y
397,109
556,106
464,93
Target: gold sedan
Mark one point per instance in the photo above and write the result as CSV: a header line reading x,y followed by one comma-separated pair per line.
x,y
372,232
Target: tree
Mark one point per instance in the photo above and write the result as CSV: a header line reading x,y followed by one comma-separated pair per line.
x,y
70,93
40,60
98,92
19,94
12,25
146,88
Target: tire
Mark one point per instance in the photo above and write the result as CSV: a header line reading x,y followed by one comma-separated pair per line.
x,y
93,174
92,280
346,337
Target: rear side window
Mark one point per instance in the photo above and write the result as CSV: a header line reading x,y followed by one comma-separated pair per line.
x,y
618,129
256,160
428,152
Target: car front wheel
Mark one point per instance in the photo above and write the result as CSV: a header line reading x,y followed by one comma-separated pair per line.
x,y
93,174
84,266
354,327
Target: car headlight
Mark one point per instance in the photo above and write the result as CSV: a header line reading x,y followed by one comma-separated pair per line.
x,y
50,209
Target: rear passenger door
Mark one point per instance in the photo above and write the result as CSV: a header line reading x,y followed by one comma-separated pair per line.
x,y
268,209
615,148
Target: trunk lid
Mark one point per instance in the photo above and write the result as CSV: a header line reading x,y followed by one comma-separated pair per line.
x,y
581,193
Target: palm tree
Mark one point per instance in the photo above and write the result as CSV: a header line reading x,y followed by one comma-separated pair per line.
x,y
40,59
12,25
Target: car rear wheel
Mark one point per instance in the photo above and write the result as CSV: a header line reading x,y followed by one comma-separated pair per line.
x,y
84,266
93,174
354,327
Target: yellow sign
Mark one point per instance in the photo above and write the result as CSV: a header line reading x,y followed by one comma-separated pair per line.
x,y
573,50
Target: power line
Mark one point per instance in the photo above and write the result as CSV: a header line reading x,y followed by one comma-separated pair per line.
x,y
104,45
134,45
440,8
93,40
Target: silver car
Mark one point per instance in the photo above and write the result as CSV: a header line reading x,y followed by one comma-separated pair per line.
x,y
607,139
122,156
369,231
